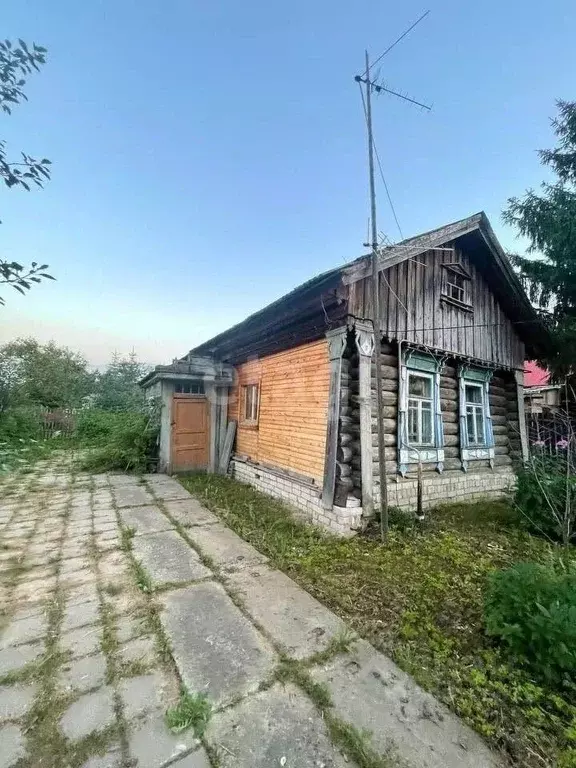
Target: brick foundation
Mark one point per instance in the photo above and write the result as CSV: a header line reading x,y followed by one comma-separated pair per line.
x,y
305,496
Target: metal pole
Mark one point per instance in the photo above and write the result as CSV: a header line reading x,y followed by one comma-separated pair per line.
x,y
376,317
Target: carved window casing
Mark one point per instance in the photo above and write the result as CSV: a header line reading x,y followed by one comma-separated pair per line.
x,y
476,433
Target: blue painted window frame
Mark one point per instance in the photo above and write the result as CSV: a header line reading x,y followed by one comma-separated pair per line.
x,y
482,376
415,362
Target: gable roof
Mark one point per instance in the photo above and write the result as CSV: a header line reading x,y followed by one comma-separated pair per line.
x,y
307,312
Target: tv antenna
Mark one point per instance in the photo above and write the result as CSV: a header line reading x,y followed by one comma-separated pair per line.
x,y
370,87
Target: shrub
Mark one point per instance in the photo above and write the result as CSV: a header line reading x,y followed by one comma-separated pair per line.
x,y
542,499
532,609
124,441
21,423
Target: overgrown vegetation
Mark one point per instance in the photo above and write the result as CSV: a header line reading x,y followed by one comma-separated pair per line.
x,y
49,399
532,608
421,600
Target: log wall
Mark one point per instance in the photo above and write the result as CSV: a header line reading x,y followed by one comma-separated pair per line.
x,y
503,407
291,429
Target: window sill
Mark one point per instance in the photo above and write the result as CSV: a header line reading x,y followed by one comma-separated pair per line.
x,y
455,303
248,425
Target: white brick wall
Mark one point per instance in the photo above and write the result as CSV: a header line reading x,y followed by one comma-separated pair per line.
x,y
305,498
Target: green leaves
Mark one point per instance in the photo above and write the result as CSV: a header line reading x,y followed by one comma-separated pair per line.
x,y
546,218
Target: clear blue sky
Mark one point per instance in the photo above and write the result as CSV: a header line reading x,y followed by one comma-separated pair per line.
x,y
208,157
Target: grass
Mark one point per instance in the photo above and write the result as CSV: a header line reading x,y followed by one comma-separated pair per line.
x,y
192,711
420,600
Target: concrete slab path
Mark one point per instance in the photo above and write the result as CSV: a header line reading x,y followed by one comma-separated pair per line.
x,y
116,592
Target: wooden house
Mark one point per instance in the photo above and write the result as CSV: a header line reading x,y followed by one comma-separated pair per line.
x,y
298,378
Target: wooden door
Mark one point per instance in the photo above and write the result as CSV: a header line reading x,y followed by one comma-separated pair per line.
x,y
190,433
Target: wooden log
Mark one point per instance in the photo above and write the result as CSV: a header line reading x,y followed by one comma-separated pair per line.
x,y
502,461
498,410
451,440
345,438
499,420
447,383
452,452
450,428
344,453
450,417
343,470
501,440
496,400
340,495
499,450
448,394
345,482
498,391
448,406
452,463
500,429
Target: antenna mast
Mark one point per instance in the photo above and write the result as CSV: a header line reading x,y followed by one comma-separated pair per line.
x,y
365,79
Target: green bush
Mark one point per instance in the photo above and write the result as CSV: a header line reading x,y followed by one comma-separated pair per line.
x,y
532,609
124,441
541,498
21,423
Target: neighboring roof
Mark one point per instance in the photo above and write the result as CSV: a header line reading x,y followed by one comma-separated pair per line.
x,y
310,310
193,368
534,375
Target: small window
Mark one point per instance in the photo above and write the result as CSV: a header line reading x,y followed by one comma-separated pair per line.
x,y
456,286
189,388
251,402
420,410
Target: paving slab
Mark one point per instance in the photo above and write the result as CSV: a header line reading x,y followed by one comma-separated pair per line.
x,y
216,648
16,657
91,712
24,631
296,621
227,550
190,512
142,649
82,641
166,488
375,695
147,519
84,674
16,700
168,558
142,696
80,614
153,745
112,759
196,759
132,496
12,743
276,727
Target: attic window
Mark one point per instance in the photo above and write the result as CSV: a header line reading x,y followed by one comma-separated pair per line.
x,y
456,286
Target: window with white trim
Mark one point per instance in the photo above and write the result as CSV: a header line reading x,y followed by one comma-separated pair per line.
x,y
476,433
456,286
420,408
420,431
475,409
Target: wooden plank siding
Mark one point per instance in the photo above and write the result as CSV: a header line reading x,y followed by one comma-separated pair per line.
x,y
411,309
291,429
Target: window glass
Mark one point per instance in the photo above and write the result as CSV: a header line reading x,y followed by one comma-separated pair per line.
x,y
419,386
473,393
251,393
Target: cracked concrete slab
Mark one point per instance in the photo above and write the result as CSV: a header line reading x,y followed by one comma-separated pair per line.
x,y
190,512
224,547
131,495
216,648
276,727
146,519
292,617
369,690
168,559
